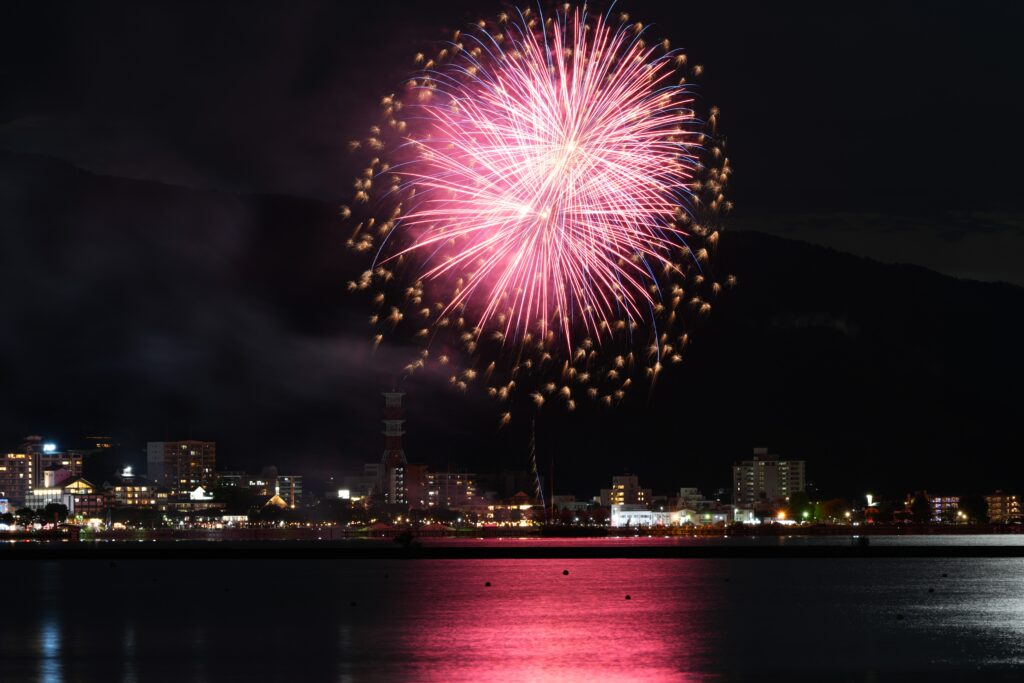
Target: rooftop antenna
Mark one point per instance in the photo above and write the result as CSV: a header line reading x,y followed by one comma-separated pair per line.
x,y
538,492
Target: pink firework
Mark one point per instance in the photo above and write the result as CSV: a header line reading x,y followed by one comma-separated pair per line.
x,y
552,167
541,204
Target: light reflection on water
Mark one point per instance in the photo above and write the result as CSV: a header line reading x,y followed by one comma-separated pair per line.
x,y
436,620
766,540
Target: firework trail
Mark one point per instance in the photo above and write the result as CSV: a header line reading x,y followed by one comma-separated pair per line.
x,y
541,206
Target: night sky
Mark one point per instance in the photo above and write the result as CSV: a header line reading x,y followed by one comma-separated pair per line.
x,y
171,264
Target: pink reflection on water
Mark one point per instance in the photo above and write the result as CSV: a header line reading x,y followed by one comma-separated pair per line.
x,y
583,542
535,624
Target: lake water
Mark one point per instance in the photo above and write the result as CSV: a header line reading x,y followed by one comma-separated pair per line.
x,y
437,620
910,540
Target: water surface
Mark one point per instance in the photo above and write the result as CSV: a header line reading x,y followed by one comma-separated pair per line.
x,y
437,620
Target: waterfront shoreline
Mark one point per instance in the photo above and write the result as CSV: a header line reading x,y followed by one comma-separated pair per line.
x,y
508,549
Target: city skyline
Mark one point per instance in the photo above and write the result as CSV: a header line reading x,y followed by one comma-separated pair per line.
x,y
761,485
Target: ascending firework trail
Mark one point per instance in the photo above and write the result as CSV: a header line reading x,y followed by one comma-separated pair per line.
x,y
540,206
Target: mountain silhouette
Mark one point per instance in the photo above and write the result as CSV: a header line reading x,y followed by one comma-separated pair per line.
x,y
151,311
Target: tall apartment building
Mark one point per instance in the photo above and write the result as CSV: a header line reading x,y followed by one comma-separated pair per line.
x,y
407,485
450,489
16,478
766,479
626,490
393,462
45,455
944,508
1003,508
181,465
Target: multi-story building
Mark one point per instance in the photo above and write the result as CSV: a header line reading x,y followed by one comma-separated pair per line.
x,y
50,489
393,463
766,479
267,483
42,496
23,472
45,454
182,465
944,508
450,490
1003,508
238,479
289,487
626,490
130,490
16,477
360,487
407,485
83,499
261,484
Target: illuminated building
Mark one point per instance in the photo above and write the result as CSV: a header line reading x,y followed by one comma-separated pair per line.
x,y
744,516
197,499
361,487
84,499
16,477
42,496
276,501
507,514
51,488
407,486
1003,508
626,490
266,483
944,508
393,461
100,443
131,490
713,517
259,484
289,487
766,479
450,490
627,515
45,454
941,508
181,465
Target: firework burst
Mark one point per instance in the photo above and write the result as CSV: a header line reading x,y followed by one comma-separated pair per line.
x,y
541,206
